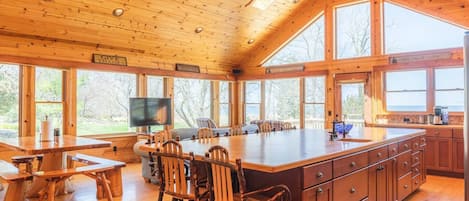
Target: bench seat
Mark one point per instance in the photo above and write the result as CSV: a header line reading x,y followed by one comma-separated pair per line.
x,y
16,181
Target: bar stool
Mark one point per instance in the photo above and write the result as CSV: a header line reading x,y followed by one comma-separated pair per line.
x,y
27,160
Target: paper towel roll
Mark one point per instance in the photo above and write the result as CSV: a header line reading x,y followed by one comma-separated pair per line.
x,y
47,133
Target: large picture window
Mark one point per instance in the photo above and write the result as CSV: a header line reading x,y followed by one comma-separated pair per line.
x,y
307,46
252,101
315,98
449,88
224,107
103,102
282,99
191,101
155,87
406,91
9,100
353,31
48,96
407,31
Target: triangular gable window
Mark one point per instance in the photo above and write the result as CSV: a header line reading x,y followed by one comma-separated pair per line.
x,y
407,31
306,46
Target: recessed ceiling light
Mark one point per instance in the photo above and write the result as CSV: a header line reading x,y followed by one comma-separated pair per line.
x,y
198,29
251,41
118,12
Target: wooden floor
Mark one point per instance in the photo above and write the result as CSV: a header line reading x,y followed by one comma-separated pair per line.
x,y
135,189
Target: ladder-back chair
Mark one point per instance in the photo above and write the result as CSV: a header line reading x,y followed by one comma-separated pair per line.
x,y
265,128
287,126
236,130
221,181
204,133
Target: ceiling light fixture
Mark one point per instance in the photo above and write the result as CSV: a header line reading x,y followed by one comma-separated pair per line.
x,y
118,12
251,41
198,29
260,4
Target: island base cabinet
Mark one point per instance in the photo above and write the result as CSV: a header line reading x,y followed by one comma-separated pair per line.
x,y
353,187
321,192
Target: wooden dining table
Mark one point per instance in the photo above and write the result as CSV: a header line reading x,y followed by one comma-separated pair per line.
x,y
54,152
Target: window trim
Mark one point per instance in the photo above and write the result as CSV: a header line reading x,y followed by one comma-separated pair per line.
x,y
427,90
305,103
430,69
261,99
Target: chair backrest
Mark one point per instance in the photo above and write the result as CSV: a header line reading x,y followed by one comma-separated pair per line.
x,y
204,133
287,126
236,130
220,168
265,127
206,123
171,169
162,137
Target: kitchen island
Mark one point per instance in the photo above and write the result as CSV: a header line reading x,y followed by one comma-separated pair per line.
x,y
370,163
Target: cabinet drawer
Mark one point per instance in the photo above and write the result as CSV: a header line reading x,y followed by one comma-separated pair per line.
x,y
415,144
404,187
416,158
440,132
458,133
404,145
353,187
321,192
350,163
416,170
403,164
377,155
392,149
416,182
317,173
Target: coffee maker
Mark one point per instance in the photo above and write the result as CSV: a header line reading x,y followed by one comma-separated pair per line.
x,y
440,115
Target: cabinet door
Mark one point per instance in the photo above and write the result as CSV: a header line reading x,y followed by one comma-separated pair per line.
x,y
444,154
381,179
431,158
458,155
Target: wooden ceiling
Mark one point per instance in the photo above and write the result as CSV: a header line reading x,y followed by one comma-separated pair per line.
x,y
161,28
164,29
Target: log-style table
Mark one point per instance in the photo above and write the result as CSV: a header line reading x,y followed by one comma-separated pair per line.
x,y
54,152
283,153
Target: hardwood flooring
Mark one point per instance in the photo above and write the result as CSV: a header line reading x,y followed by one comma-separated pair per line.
x,y
135,189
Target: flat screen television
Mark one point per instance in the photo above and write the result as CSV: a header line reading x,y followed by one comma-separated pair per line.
x,y
150,111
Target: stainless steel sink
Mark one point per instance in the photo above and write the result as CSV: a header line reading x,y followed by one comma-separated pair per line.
x,y
354,140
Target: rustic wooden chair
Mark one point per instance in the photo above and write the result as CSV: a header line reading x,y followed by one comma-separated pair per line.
x,y
287,126
162,137
236,130
173,179
221,182
265,128
205,133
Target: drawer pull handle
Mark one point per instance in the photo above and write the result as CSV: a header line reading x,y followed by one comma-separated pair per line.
x,y
319,190
416,159
352,191
406,146
406,186
380,168
379,154
353,164
319,175
405,164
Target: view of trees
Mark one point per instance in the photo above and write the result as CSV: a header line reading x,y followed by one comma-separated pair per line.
x,y
282,100
307,46
353,101
353,31
252,100
9,97
103,101
48,93
191,101
315,99
224,107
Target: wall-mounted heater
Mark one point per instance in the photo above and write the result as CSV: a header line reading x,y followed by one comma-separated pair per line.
x,y
284,69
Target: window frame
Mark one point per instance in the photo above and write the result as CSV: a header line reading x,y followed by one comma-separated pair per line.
x,y
260,103
228,103
305,102
430,97
427,90
456,89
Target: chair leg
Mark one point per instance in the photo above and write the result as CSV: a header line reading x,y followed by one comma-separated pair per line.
x,y
160,196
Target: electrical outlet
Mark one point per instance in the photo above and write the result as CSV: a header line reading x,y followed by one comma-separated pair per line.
x,y
114,148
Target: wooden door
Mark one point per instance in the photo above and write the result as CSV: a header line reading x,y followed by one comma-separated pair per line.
x,y
458,155
352,101
381,180
431,159
444,154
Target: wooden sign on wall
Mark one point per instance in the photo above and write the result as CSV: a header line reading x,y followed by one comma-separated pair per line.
x,y
109,59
